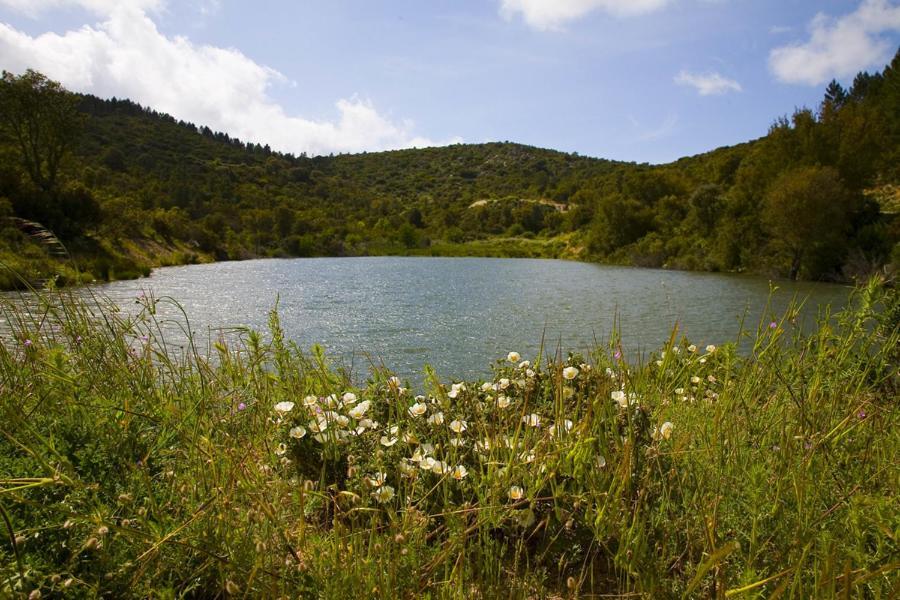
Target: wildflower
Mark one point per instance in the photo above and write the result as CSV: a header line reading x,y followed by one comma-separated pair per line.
x,y
281,449
710,349
418,409
348,398
436,418
620,398
564,427
861,415
617,355
703,361
515,493
601,461
695,379
532,420
570,373
524,364
383,494
529,373
310,401
377,480
665,430
502,401
359,410
457,442
297,432
487,386
692,348
282,408
407,468
503,383
27,343
439,467
679,391
459,473
319,425
773,325
458,426
711,378
394,382
389,440
455,389
368,423
242,406
513,357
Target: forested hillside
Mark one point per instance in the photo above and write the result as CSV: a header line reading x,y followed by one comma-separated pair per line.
x,y
117,188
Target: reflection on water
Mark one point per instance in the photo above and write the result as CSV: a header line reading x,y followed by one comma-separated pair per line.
x,y
458,314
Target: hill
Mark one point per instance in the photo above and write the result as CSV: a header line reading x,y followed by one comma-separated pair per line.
x,y
137,189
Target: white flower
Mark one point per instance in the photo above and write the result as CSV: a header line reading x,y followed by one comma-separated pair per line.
x,y
377,479
503,401
319,425
695,379
310,401
282,408
348,398
297,432
524,364
459,473
407,467
703,361
281,449
436,418
515,493
679,391
570,373
710,349
564,427
665,430
457,442
620,398
458,426
503,383
394,382
439,467
359,410
529,373
426,463
513,357
532,420
418,409
389,440
487,386
692,348
601,461
383,494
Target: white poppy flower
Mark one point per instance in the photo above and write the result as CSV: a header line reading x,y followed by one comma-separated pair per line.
x,y
665,430
458,426
503,401
377,479
515,493
532,420
297,432
710,349
503,383
459,473
348,398
282,408
359,410
570,373
524,364
436,418
310,401
418,409
513,357
383,494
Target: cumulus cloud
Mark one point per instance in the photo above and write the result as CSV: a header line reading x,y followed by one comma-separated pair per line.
x,y
839,47
553,14
125,55
708,84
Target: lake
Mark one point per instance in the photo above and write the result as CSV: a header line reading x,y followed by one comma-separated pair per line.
x,y
459,314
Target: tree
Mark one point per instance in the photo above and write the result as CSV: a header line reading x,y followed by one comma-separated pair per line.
x,y
43,120
805,212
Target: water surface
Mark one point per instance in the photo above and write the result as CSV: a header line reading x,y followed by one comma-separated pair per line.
x,y
459,314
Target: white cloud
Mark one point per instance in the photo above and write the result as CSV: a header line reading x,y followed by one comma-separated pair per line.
x,y
126,56
839,47
708,84
553,14
33,8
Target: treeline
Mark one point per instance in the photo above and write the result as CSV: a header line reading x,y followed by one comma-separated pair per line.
x,y
124,188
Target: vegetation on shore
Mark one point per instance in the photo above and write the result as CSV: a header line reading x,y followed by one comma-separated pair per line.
x,y
132,465
126,188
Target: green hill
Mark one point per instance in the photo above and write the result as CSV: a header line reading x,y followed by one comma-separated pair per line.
x,y
137,189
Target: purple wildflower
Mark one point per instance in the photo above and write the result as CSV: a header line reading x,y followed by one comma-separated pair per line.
x,y
242,406
27,343
861,414
617,355
773,325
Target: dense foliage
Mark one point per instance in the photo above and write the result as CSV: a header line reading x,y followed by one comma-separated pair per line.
x,y
815,198
132,465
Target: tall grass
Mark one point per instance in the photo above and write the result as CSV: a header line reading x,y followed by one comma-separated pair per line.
x,y
132,465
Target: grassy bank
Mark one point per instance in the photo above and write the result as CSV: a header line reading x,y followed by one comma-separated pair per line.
x,y
132,466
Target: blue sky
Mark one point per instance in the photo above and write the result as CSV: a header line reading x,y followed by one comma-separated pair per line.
x,y
642,80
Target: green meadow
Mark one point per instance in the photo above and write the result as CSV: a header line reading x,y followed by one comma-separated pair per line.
x,y
133,464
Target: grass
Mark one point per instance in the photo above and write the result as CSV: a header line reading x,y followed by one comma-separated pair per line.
x,y
132,465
